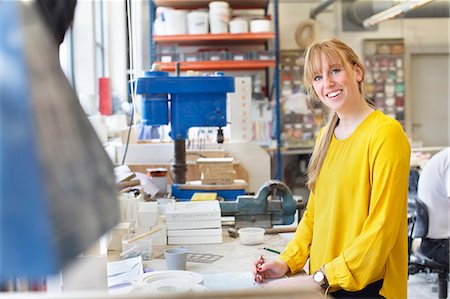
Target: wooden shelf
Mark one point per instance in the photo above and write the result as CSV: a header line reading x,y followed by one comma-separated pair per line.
x,y
223,65
201,39
193,4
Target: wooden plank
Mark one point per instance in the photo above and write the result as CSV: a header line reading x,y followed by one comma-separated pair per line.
x,y
197,185
193,155
193,173
215,160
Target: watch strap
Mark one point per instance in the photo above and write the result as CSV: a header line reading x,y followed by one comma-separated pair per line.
x,y
325,285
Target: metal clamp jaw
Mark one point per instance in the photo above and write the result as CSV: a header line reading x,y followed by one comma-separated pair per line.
x,y
272,204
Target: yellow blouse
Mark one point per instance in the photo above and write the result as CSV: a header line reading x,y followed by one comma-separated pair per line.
x,y
355,223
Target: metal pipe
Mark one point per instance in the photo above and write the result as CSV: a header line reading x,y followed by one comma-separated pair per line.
x,y
276,84
180,167
315,11
152,17
362,9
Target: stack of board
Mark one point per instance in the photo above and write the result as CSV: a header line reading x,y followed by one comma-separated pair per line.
x,y
194,222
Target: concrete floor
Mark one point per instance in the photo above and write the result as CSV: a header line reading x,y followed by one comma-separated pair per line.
x,y
423,286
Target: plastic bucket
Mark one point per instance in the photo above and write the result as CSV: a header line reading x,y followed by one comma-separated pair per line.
x,y
197,22
175,22
238,25
260,26
219,16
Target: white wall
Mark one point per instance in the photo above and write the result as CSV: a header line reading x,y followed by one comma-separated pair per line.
x,y
421,35
84,54
86,57
115,48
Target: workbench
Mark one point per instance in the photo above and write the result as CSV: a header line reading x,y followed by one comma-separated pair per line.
x,y
236,257
235,262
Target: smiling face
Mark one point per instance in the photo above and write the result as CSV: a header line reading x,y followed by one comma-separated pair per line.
x,y
336,84
334,74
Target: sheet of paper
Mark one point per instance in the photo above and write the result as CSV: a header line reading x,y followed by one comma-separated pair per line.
x,y
124,272
230,281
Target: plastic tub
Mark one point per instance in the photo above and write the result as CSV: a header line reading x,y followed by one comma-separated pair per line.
x,y
219,16
251,235
175,21
260,25
132,248
238,25
197,22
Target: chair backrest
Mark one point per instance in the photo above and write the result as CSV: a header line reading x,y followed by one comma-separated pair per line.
x,y
413,181
421,221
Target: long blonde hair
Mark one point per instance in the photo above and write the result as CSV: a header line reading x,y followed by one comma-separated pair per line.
x,y
334,50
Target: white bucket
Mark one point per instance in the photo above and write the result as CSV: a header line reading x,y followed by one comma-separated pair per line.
x,y
175,21
238,25
158,27
259,26
219,16
197,22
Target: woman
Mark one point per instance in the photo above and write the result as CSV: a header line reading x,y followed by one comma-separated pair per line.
x,y
354,230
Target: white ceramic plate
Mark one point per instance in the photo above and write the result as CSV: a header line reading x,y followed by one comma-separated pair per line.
x,y
182,276
168,286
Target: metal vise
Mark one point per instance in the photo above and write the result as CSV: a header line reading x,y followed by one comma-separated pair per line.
x,y
273,204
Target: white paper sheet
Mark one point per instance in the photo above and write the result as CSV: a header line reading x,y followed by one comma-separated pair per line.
x,y
124,272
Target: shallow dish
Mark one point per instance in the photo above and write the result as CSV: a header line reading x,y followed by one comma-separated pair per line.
x,y
182,276
251,235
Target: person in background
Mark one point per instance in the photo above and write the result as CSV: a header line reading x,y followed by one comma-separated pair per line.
x,y
434,191
354,230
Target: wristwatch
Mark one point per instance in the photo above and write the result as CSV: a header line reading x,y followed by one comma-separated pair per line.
x,y
320,278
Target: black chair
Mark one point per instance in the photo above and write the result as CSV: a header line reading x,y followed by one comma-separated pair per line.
x,y
418,260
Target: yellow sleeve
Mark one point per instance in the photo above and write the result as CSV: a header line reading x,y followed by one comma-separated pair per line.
x,y
364,261
297,251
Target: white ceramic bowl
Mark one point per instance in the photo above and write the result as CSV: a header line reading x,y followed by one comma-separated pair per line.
x,y
251,235
260,25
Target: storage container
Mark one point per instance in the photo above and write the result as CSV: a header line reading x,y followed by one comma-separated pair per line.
x,y
132,248
238,25
251,235
260,25
197,22
175,21
219,16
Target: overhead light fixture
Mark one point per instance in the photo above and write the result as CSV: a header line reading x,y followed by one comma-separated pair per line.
x,y
394,11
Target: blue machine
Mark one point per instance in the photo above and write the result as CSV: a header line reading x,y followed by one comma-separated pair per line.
x,y
194,101
185,102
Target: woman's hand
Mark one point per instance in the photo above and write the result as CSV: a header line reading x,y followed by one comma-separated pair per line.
x,y
270,268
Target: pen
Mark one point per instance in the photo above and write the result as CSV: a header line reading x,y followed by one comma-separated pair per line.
x,y
271,250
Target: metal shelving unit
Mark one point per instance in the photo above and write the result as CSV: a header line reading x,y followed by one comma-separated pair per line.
x,y
226,65
224,38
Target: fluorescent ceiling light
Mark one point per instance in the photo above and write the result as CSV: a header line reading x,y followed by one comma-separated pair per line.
x,y
393,11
